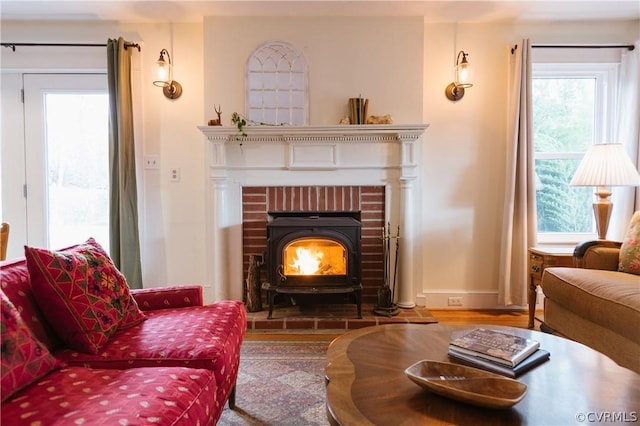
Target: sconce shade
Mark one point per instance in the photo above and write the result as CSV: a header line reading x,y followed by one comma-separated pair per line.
x,y
463,71
164,76
606,165
602,166
163,72
455,91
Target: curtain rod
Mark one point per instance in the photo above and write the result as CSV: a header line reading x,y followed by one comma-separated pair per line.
x,y
12,46
584,46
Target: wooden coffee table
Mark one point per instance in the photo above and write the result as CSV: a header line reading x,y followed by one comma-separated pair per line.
x,y
367,384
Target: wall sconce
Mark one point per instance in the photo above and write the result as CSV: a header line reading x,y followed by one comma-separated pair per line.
x,y
171,88
455,90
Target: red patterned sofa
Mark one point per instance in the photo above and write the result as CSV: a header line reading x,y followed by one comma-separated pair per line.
x,y
175,362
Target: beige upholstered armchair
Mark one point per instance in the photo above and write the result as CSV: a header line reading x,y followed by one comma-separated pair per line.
x,y
598,254
597,303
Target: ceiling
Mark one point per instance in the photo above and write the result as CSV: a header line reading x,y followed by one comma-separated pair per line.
x,y
433,10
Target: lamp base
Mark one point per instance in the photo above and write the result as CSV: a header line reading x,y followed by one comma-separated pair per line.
x,y
602,208
454,92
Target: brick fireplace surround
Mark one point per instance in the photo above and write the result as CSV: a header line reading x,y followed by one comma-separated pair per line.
x,y
369,200
370,168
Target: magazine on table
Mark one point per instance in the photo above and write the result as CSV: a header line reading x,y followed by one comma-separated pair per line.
x,y
497,346
533,360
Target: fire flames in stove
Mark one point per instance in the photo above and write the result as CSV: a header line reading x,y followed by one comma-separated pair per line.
x,y
311,256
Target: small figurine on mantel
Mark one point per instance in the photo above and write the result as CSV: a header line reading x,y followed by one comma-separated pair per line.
x,y
218,121
380,119
372,119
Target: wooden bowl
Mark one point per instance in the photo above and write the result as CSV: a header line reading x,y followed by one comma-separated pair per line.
x,y
467,384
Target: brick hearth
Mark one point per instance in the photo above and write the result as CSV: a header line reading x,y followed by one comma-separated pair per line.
x,y
331,318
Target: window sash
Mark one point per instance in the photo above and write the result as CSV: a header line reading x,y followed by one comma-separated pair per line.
x,y
605,77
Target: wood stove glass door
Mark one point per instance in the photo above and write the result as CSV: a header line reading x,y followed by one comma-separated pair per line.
x,y
315,256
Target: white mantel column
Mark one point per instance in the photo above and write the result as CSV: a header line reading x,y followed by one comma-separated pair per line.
x,y
406,279
408,219
217,244
221,214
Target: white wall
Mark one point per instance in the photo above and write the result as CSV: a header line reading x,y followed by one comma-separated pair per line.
x,y
174,241
401,64
378,58
463,164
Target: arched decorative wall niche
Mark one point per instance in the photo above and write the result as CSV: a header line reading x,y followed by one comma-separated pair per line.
x,y
277,85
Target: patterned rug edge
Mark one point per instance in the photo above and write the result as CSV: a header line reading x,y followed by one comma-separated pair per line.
x,y
280,383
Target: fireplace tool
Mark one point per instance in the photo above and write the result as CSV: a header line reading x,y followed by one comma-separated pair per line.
x,y
386,294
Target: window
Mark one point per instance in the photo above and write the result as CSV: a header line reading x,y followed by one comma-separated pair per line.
x,y
573,106
277,85
77,151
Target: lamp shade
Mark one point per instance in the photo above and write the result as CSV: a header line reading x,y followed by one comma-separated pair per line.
x,y
163,70
463,71
606,164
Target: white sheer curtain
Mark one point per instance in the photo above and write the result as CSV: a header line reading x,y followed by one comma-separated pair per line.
x,y
519,212
627,132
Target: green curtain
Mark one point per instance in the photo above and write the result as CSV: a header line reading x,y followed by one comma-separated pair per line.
x,y
123,199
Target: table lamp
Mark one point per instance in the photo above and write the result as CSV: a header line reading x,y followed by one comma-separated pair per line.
x,y
605,165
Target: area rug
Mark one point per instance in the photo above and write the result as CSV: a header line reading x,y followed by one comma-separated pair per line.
x,y
280,383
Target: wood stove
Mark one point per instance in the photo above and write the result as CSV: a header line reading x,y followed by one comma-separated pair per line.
x,y
314,253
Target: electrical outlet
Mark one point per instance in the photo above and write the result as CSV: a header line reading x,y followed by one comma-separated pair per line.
x,y
175,174
455,301
152,162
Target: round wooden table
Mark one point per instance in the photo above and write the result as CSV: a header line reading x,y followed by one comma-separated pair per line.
x,y
367,384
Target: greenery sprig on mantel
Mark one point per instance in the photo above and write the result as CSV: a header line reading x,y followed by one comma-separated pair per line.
x,y
239,121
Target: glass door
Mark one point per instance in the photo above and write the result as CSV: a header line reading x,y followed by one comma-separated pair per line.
x,y
66,159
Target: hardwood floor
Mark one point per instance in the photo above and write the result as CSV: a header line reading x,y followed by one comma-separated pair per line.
x,y
496,317
444,316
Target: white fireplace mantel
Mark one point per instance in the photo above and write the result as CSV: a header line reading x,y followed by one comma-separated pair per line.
x,y
340,131
306,156
313,147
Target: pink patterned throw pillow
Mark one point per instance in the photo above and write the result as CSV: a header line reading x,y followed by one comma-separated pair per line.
x,y
24,358
82,294
630,249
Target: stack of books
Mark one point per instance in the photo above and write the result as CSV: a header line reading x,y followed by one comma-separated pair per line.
x,y
497,351
358,110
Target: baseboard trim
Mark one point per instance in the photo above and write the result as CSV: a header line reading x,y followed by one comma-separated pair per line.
x,y
439,299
